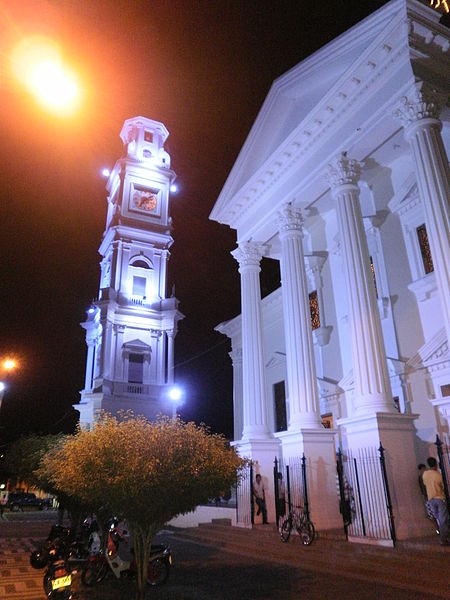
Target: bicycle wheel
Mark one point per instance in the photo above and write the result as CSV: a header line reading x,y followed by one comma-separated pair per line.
x,y
307,533
285,531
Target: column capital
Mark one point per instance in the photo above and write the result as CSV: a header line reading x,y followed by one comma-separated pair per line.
x,y
343,171
290,220
236,356
421,102
249,254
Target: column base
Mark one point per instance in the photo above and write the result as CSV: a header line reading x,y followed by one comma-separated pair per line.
x,y
396,433
318,447
263,454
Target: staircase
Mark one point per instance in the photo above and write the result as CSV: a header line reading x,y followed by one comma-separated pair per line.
x,y
418,567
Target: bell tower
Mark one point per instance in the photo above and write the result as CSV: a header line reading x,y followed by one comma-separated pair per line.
x,y
130,328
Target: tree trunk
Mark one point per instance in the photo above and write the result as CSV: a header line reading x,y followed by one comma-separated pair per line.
x,y
142,542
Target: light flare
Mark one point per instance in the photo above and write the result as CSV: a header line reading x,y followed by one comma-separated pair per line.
x,y
38,64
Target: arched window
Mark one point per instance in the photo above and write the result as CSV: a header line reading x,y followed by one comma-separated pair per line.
x,y
141,278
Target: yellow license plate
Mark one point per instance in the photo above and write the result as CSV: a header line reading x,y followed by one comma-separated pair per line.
x,y
61,582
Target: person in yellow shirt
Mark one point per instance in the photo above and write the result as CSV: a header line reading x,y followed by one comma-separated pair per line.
x,y
437,502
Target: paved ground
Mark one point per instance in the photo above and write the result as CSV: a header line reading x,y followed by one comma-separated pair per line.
x,y
200,572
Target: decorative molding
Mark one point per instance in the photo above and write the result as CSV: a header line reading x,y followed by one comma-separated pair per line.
x,y
249,254
290,220
421,102
343,171
277,359
432,352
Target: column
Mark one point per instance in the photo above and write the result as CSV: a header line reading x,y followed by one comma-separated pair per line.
x,y
371,379
249,255
89,364
236,359
170,354
119,331
300,362
419,115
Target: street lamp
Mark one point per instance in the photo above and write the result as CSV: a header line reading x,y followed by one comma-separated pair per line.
x,y
38,64
175,395
2,393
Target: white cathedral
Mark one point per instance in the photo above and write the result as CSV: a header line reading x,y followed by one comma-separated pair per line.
x,y
131,327
344,179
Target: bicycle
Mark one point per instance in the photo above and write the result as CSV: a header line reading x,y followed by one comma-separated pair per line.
x,y
297,519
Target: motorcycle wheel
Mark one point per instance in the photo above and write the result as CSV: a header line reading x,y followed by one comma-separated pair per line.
x,y
307,533
64,594
94,573
285,531
157,572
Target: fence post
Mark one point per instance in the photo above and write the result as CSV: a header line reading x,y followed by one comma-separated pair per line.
x,y
387,493
288,483
443,468
340,474
275,488
358,487
252,506
305,488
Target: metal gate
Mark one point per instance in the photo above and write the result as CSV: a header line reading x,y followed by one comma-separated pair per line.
x,y
365,501
443,452
295,479
244,499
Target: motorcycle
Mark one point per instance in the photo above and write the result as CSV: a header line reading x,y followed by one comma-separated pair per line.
x,y
122,564
58,578
62,553
60,542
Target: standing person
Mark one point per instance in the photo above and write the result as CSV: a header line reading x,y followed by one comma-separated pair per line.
x,y
434,485
260,496
3,501
281,496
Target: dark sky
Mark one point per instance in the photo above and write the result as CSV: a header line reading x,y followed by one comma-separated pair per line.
x,y
202,68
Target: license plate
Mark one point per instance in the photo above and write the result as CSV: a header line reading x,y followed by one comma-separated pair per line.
x,y
61,582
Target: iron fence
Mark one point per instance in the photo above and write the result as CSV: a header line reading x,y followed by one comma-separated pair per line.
x,y
245,510
294,474
364,496
443,451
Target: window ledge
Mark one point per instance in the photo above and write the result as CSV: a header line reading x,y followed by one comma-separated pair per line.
x,y
424,288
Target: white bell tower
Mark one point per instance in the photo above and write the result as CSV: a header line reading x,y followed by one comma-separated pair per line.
x,y
130,329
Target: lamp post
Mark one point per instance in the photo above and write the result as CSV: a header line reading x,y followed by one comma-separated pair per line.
x,y
7,366
175,395
2,393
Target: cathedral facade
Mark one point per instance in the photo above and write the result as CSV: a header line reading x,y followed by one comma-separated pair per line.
x,y
131,326
344,181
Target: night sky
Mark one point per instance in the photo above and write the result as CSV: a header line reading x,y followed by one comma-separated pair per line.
x,y
202,68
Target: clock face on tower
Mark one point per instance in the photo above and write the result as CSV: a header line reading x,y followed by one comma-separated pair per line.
x,y
145,200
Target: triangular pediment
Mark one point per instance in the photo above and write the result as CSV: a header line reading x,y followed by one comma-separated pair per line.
x,y
294,97
277,359
328,388
432,352
136,346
